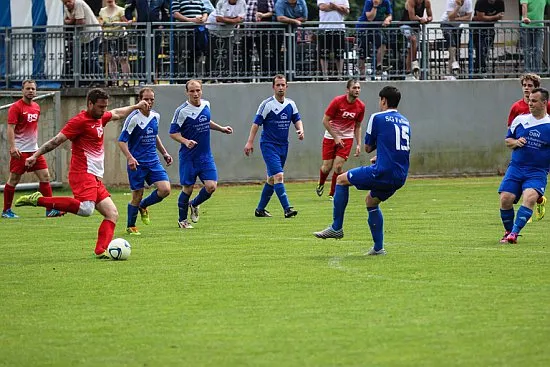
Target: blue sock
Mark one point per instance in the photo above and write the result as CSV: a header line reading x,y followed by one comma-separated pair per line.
x,y
521,219
507,216
267,192
132,215
152,199
376,224
341,196
201,197
183,206
281,194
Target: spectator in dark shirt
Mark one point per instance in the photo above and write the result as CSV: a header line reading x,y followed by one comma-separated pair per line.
x,y
373,11
486,14
148,11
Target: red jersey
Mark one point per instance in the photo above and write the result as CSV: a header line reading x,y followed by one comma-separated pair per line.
x,y
344,115
86,135
25,118
521,108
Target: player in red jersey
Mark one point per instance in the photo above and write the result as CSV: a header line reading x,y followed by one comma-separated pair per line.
x,y
529,81
85,131
342,121
23,118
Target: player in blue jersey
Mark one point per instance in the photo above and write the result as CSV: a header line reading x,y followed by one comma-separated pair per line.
x,y
529,139
139,141
191,127
388,132
275,114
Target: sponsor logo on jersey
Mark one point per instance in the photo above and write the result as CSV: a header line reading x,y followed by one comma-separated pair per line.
x,y
534,133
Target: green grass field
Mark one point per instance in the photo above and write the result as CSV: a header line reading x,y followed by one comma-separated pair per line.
x,y
243,291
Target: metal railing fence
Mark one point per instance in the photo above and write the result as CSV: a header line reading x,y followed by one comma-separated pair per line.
x,y
76,56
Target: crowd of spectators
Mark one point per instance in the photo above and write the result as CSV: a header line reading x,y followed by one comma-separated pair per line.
x,y
205,43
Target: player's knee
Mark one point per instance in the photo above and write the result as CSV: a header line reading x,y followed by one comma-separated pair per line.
x,y
210,188
342,179
164,192
86,208
112,215
278,178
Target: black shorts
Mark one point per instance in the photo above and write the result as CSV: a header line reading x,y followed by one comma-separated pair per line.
x,y
452,34
370,40
332,40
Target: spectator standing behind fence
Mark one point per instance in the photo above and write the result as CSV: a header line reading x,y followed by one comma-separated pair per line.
x,y
148,11
374,11
487,13
221,23
532,34
414,11
77,12
293,12
332,33
115,44
192,40
457,11
261,11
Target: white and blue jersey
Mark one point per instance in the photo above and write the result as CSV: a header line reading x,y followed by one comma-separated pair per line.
x,y
275,117
140,132
389,132
529,166
193,123
535,154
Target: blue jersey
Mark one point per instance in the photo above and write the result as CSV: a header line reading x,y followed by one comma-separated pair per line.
x,y
193,123
536,152
389,132
383,10
275,117
140,132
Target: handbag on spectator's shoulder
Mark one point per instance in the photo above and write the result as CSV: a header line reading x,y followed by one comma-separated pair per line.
x,y
201,38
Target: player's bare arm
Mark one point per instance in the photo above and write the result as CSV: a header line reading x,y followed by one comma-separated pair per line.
x,y
45,148
180,139
14,152
123,112
249,146
328,127
160,147
369,148
357,133
515,143
132,162
224,129
299,129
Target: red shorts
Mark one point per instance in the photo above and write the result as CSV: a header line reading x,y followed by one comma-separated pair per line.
x,y
18,165
87,187
331,150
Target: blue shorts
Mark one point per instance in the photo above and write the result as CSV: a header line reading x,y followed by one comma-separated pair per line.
x,y
517,180
205,170
147,174
364,178
274,157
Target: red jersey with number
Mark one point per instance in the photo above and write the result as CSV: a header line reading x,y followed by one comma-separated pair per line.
x,y
25,118
521,108
343,116
86,135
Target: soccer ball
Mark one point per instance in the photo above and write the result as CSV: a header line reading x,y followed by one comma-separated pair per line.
x,y
119,249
